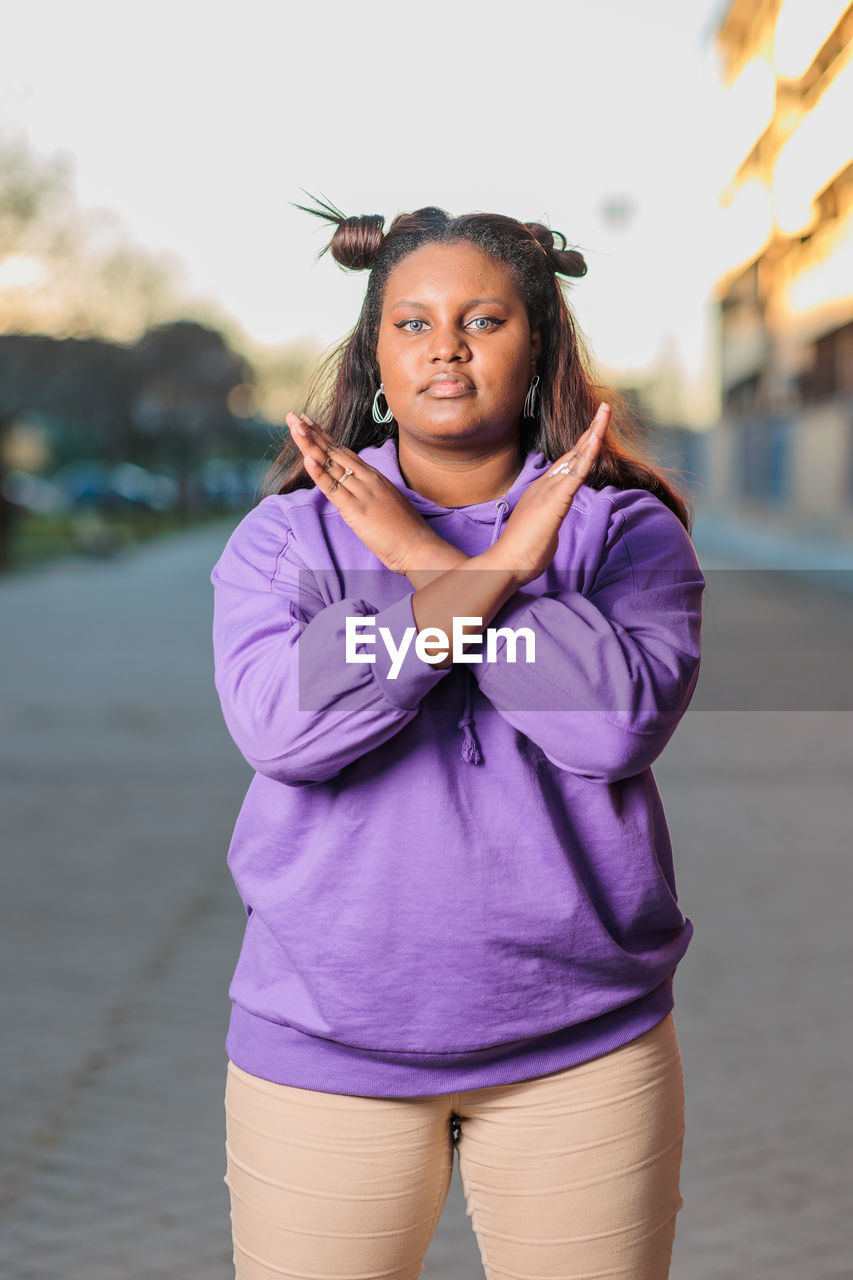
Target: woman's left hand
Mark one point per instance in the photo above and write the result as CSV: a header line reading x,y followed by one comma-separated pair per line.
x,y
530,539
375,510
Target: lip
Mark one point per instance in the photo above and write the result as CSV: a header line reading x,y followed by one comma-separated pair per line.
x,y
446,385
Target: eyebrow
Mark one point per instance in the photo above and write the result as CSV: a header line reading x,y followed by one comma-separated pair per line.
x,y
472,302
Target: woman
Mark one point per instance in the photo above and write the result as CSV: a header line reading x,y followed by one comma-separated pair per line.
x,y
462,917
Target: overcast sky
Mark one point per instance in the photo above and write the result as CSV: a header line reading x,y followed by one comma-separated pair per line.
x,y
198,121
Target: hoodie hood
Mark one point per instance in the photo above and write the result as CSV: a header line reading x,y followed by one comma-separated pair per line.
x,y
385,459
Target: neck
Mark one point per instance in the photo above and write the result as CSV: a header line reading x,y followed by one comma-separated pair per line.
x,y
462,478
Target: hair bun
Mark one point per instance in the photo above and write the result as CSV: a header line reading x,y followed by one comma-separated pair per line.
x,y
357,241
566,262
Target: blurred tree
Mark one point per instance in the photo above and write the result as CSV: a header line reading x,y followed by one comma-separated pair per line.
x,y
26,189
282,375
77,386
68,271
183,374
17,377
96,343
61,275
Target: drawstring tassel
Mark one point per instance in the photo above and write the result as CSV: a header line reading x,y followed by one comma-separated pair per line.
x,y
470,751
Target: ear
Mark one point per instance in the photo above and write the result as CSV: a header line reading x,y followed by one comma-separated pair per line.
x,y
535,349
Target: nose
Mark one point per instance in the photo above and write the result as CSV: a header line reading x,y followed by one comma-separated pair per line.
x,y
448,343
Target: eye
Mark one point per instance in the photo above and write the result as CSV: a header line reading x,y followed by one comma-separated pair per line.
x,y
404,324
483,323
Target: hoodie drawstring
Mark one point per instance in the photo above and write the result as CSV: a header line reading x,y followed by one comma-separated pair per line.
x,y
470,750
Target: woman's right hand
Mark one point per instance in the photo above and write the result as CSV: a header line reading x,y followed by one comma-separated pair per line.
x,y
374,508
530,539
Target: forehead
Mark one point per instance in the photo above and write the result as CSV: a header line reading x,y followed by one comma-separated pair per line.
x,y
457,270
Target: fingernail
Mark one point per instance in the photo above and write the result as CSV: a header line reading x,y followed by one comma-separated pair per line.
x,y
296,426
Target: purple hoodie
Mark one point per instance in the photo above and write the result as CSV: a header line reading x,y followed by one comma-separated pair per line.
x,y
463,876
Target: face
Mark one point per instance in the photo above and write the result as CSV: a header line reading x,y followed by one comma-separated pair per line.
x,y
456,353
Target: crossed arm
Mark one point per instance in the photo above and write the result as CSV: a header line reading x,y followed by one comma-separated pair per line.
x,y
458,585
615,669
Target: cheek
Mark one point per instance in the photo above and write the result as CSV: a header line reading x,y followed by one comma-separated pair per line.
x,y
402,372
401,377
394,367
511,370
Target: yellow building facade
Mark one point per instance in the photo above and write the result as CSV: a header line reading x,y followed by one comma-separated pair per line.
x,y
784,446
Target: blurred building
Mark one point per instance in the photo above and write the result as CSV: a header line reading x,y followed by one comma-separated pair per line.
x,y
784,447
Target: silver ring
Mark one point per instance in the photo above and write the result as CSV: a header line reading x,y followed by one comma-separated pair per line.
x,y
562,470
348,471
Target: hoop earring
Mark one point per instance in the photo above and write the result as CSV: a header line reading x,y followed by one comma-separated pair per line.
x,y
377,416
530,402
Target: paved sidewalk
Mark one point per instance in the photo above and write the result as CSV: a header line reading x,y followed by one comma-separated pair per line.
x,y
722,538
121,927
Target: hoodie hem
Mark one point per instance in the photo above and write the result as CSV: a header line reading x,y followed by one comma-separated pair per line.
x,y
279,1053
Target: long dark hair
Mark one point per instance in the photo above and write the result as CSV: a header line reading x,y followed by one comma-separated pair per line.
x,y
341,392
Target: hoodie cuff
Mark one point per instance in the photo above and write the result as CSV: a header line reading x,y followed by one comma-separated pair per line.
x,y
513,614
413,678
516,613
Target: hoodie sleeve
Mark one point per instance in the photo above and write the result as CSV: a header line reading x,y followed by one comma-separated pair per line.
x,y
616,664
296,709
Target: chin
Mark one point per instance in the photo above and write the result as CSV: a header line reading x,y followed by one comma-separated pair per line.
x,y
449,426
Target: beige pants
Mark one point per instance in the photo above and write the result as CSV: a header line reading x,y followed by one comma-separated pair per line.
x,y
572,1175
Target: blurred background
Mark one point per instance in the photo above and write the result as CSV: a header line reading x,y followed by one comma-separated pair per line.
x,y
161,309
160,302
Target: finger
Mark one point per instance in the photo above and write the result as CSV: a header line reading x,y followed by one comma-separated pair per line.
x,y
305,427
309,425
327,454
578,458
578,461
337,462
332,485
601,421
329,472
598,426
310,432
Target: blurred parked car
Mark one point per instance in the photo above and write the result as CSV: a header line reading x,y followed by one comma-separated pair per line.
x,y
32,493
144,488
229,482
107,488
115,487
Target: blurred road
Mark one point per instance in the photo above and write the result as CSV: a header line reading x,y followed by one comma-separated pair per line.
x,y
121,928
